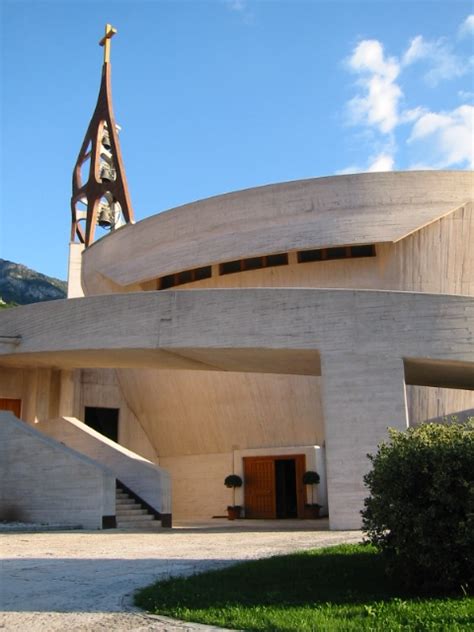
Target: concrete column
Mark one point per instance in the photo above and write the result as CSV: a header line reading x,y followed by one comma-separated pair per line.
x,y
362,396
66,395
74,284
30,391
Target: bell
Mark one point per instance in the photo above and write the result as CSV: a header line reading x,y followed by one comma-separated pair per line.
x,y
107,173
106,217
106,139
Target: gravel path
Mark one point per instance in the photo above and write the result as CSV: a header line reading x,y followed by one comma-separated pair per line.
x,y
81,580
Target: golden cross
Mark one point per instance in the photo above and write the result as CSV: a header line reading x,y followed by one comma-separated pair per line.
x,y
105,41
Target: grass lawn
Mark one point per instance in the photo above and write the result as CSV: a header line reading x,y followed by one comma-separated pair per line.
x,y
337,588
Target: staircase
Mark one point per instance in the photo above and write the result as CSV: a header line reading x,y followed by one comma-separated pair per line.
x,y
131,515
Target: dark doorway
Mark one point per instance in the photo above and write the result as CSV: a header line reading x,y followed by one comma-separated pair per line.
x,y
103,420
285,484
12,405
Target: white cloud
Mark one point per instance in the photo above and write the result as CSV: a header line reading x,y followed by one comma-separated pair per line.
x,y
467,27
378,105
382,162
241,8
416,50
436,139
348,170
438,54
369,56
409,116
450,136
236,5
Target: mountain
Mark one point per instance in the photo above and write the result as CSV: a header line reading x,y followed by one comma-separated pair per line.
x,y
20,285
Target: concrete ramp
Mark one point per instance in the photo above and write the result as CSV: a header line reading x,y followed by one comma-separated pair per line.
x,y
44,481
146,481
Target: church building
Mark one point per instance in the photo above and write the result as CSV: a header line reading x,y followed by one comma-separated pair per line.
x,y
262,333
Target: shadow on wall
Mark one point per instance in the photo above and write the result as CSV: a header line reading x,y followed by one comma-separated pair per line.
x,y
11,513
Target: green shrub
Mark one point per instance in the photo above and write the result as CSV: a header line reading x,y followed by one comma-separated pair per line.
x,y
420,512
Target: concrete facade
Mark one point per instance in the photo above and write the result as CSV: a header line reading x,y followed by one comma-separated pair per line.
x,y
271,360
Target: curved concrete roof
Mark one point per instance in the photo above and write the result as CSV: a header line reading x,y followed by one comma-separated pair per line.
x,y
260,330
304,214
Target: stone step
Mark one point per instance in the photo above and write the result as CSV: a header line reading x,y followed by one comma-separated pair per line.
x,y
135,519
122,502
141,526
139,516
131,515
132,511
123,497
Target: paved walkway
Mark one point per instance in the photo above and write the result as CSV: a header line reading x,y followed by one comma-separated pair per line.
x,y
84,580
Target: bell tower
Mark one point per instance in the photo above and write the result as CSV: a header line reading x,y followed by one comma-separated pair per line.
x,y
99,186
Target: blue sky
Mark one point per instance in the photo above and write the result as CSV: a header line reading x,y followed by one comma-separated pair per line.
x,y
223,95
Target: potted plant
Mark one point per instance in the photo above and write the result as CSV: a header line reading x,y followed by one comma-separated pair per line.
x,y
233,481
311,510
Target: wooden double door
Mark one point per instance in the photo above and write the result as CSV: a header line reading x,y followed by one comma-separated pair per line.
x,y
274,486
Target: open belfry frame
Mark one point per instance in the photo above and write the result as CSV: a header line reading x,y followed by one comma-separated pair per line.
x,y
96,196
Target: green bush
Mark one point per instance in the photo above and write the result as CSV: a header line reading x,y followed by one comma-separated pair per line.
x,y
420,512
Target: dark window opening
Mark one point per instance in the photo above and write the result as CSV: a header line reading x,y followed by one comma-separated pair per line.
x,y
186,276
305,256
202,273
103,420
285,484
363,251
167,281
253,263
277,260
230,266
339,252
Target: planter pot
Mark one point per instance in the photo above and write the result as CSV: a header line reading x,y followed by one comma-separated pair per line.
x,y
311,512
233,512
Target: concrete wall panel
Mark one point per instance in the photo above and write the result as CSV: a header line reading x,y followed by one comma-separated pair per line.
x,y
44,481
149,481
363,395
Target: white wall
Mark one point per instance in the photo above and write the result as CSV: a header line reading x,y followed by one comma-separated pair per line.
x,y
199,492
198,480
44,481
146,479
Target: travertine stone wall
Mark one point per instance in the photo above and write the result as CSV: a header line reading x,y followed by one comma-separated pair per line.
x,y
146,479
422,225
362,396
204,412
198,485
101,388
428,402
271,410
317,213
198,480
38,388
48,482
436,259
74,287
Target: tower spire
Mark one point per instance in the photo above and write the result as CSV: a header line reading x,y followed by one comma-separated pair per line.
x,y
99,185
